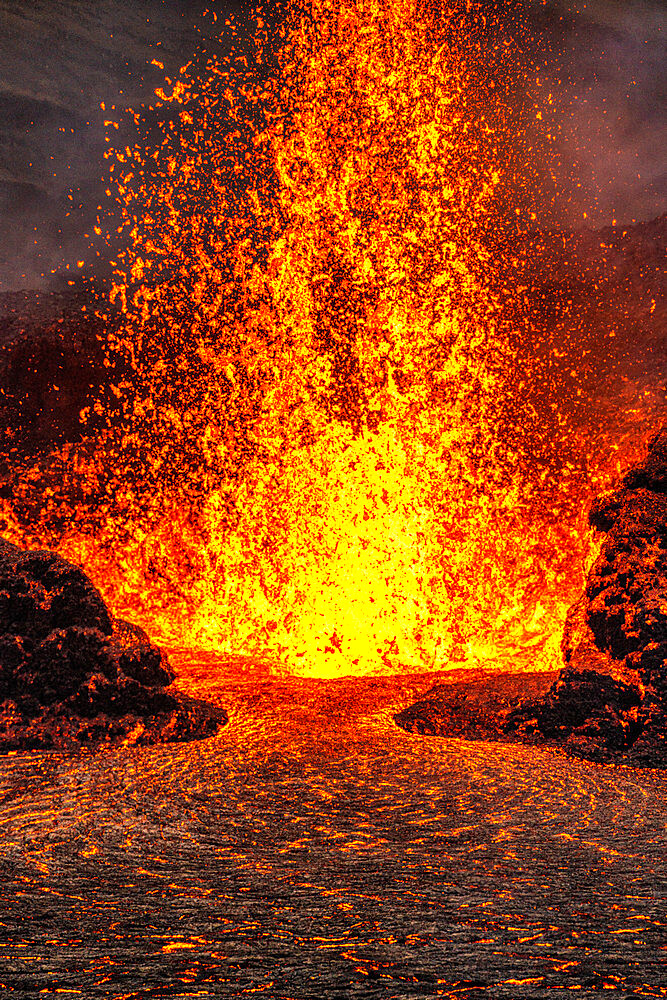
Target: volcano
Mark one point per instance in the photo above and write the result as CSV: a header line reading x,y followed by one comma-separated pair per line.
x,y
332,512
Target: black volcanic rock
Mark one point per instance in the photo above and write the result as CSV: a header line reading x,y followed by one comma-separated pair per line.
x,y
69,672
488,706
609,703
40,592
615,638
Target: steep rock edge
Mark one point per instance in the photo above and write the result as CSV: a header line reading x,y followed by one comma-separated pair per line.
x,y
609,702
70,674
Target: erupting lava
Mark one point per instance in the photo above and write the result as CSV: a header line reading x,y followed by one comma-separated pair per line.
x,y
319,451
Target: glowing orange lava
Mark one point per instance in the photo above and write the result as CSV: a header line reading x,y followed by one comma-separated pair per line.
x,y
313,457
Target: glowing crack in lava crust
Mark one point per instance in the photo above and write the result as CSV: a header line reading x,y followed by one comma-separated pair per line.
x,y
318,453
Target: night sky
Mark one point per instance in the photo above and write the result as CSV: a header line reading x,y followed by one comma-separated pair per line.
x,y
603,62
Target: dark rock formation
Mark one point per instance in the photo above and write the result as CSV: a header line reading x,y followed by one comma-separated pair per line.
x,y
611,698
488,706
609,703
70,673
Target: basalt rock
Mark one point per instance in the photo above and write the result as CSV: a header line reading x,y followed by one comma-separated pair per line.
x,y
615,637
70,673
488,706
609,703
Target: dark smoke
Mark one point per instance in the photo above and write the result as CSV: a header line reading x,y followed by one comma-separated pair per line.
x,y
603,63
58,63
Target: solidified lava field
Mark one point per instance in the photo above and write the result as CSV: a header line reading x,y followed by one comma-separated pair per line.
x,y
313,849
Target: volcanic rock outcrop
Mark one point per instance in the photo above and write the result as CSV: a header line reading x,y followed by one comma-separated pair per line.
x,y
71,674
609,703
612,694
481,705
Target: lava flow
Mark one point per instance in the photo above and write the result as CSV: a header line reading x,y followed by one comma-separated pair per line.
x,y
323,447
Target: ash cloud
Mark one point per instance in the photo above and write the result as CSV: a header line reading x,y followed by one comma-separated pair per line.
x,y
58,63
604,66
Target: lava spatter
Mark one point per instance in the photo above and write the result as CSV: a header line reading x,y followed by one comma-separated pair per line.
x,y
314,453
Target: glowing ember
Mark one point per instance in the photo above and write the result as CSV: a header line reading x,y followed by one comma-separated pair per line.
x,y
316,455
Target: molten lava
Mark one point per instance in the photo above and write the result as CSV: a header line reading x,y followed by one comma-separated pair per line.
x,y
323,447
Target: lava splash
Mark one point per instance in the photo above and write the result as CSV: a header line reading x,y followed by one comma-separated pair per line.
x,y
321,448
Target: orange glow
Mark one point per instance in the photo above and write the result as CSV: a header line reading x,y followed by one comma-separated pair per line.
x,y
307,459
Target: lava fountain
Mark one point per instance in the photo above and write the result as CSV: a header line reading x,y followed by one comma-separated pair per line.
x,y
322,444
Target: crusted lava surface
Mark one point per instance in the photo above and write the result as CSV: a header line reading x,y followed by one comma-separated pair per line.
x,y
609,702
489,706
71,674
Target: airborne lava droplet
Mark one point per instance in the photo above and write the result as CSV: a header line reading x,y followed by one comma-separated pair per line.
x,y
314,450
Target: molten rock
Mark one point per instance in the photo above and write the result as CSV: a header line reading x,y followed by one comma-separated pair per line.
x,y
609,703
71,673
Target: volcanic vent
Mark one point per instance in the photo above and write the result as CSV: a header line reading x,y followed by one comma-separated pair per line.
x,y
329,434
